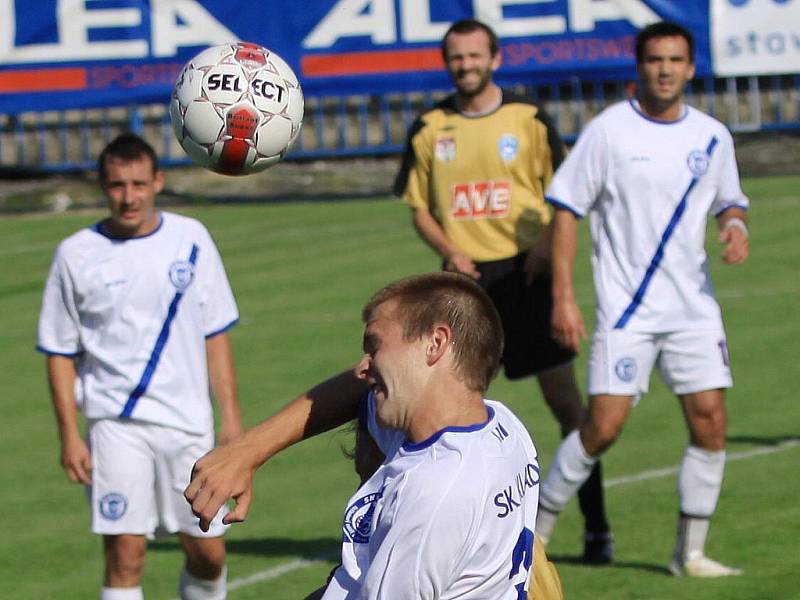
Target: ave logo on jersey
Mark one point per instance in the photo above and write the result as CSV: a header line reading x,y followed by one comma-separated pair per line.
x,y
181,274
480,199
358,518
507,146
445,149
698,162
113,506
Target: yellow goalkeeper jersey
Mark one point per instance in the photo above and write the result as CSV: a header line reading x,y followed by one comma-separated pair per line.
x,y
482,178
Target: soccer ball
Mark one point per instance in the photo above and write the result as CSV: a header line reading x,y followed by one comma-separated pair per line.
x,y
236,108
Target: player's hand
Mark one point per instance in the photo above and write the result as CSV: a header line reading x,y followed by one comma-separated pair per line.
x,y
537,260
461,263
567,325
224,473
77,461
737,246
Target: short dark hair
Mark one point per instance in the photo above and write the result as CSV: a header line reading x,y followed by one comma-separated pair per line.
x,y
468,26
659,30
456,300
126,147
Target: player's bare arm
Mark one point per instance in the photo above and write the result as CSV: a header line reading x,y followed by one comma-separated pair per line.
x,y
433,235
222,376
567,321
733,234
227,472
75,457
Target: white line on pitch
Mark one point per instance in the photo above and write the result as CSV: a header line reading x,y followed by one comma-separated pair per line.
x,y
275,572
666,472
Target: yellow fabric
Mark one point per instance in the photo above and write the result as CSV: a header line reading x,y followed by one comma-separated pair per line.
x,y
483,178
545,582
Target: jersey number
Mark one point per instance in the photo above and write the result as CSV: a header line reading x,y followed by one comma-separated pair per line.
x,y
522,557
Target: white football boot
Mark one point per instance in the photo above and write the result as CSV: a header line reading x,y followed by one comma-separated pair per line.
x,y
697,564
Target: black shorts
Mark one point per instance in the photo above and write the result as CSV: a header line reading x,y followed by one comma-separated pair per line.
x,y
525,312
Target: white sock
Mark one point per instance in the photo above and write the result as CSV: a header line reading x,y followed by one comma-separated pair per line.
x,y
699,484
192,588
116,593
692,534
571,467
700,480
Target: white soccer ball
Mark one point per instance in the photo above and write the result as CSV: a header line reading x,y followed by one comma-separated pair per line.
x,y
236,108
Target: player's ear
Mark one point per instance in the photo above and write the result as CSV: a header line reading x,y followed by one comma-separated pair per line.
x,y
437,344
158,181
497,60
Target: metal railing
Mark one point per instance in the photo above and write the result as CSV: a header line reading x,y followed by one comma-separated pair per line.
x,y
374,125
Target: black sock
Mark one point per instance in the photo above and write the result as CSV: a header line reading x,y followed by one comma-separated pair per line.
x,y
592,501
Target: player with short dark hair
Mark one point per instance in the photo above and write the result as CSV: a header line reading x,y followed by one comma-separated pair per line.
x,y
650,171
449,512
133,323
474,174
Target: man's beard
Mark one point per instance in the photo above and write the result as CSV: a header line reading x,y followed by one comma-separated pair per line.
x,y
483,83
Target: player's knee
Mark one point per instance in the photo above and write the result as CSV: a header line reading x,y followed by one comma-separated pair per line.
x,y
205,558
125,557
598,435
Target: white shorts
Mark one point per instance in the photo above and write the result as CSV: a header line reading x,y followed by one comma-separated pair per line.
x,y
620,361
139,472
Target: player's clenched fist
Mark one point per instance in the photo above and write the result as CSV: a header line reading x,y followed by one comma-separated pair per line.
x,y
223,474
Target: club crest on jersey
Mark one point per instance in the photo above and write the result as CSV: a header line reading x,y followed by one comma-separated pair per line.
x,y
698,162
445,149
626,369
508,145
113,506
358,518
181,274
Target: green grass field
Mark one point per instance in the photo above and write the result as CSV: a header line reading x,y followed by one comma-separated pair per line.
x,y
301,273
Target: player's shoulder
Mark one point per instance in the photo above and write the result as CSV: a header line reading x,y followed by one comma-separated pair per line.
x,y
175,223
82,242
698,117
434,116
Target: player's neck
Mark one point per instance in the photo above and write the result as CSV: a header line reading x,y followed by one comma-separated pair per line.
x,y
659,111
487,101
451,406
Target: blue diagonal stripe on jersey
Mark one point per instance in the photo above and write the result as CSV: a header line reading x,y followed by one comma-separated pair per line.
x,y
659,255
155,355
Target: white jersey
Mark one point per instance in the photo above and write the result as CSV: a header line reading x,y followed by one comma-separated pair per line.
x,y
136,313
450,517
649,187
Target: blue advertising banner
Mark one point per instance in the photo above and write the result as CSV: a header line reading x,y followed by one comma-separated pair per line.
x,y
57,54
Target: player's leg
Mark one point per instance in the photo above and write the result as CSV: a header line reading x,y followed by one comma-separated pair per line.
x,y
124,563
204,575
577,456
699,483
619,371
692,360
563,396
123,503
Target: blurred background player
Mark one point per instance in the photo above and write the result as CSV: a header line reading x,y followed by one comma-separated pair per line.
x,y
135,312
450,511
649,171
474,174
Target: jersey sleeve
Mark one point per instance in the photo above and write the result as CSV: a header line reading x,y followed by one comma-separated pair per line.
x,y
417,555
729,192
413,180
580,178
219,308
58,331
556,151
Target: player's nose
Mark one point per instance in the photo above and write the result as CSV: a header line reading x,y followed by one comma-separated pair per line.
x,y
362,368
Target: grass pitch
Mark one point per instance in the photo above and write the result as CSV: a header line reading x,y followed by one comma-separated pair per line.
x,y
301,273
